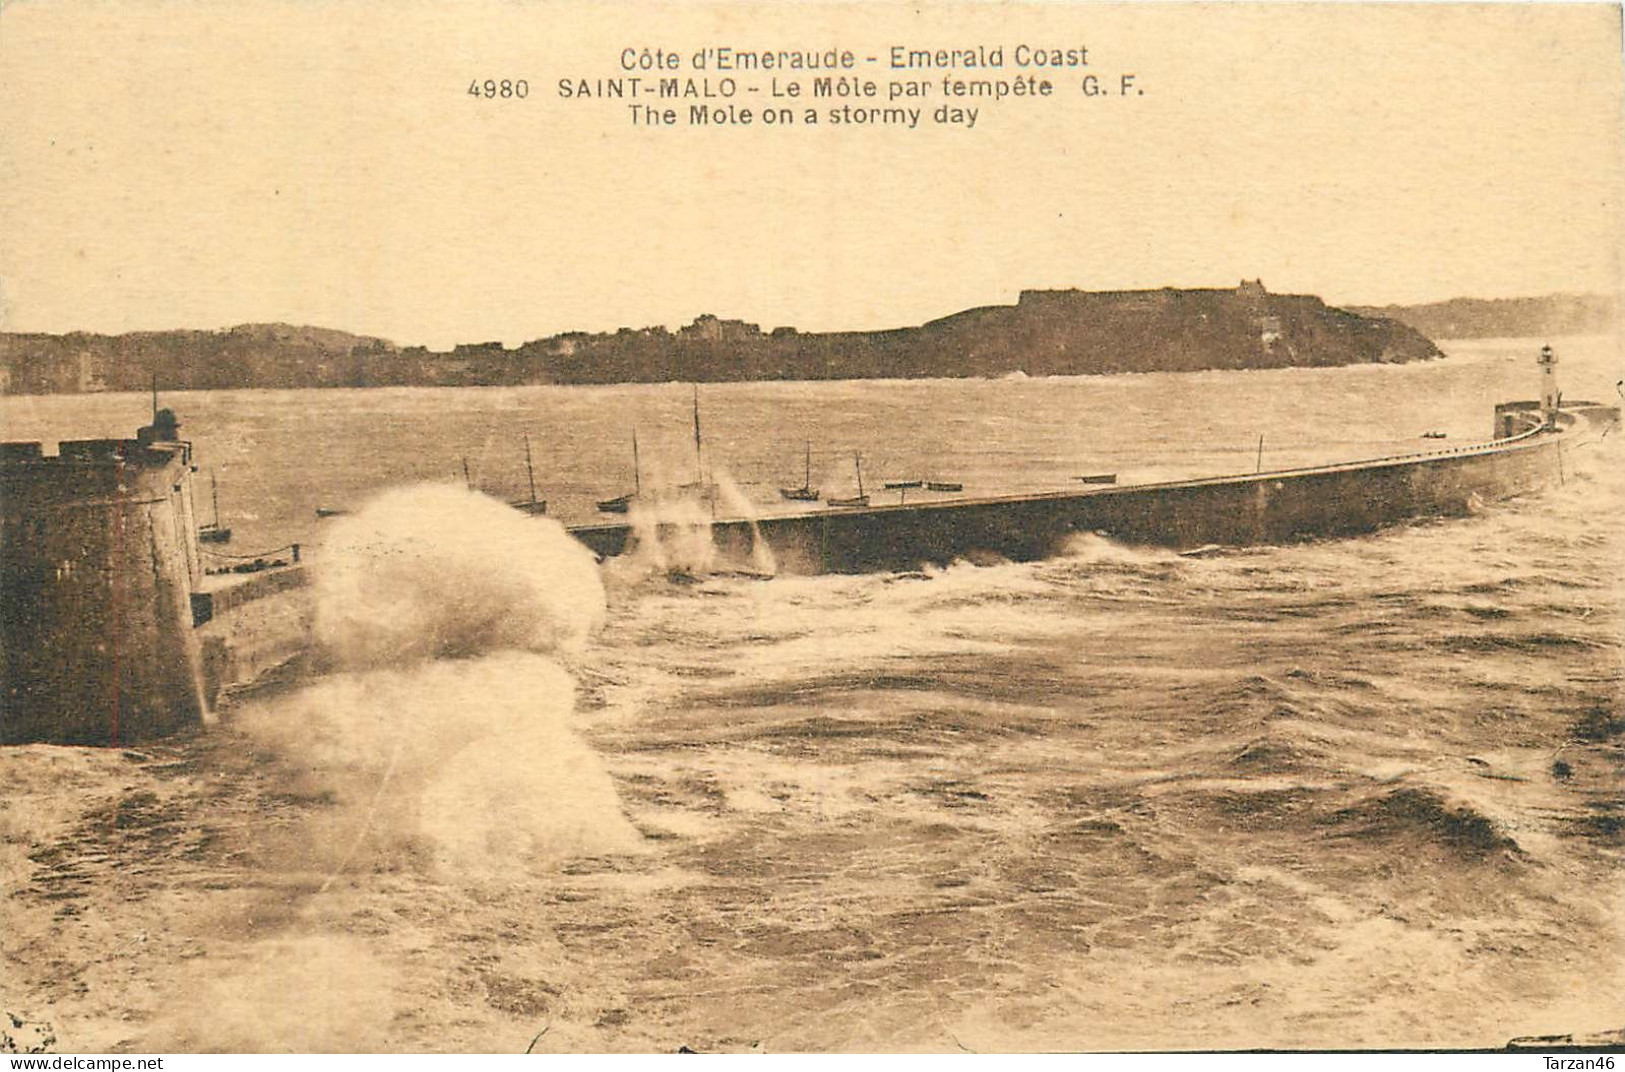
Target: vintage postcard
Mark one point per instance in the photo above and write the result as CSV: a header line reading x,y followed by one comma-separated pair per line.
x,y
745,527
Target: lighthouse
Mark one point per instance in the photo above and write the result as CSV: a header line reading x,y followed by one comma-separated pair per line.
x,y
1550,396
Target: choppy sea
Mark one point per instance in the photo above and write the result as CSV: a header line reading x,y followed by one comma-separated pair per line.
x,y
1351,793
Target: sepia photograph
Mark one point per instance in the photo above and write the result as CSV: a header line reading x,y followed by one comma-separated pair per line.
x,y
728,526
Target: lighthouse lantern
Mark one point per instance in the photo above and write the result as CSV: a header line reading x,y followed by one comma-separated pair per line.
x,y
1549,394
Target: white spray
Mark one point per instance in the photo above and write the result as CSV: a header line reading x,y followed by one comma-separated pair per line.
x,y
674,532
445,725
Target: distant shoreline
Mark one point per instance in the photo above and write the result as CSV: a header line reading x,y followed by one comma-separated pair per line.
x,y
1045,333
1504,318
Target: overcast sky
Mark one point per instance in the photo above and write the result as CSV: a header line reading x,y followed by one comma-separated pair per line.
x,y
200,165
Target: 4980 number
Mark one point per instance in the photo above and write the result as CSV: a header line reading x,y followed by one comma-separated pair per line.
x,y
500,88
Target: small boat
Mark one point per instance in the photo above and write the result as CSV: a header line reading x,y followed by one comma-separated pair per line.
x,y
901,487
212,532
1098,478
944,485
259,565
330,511
1435,435
533,505
702,493
860,499
700,488
622,503
805,493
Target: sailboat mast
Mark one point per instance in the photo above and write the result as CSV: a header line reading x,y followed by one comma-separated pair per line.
x,y
699,457
857,461
530,470
806,481
637,471
214,493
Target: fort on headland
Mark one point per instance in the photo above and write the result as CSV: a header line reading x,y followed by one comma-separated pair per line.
x,y
1046,332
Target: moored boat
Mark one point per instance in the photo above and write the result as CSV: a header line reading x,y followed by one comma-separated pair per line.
x,y
860,499
533,505
805,493
211,532
622,503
